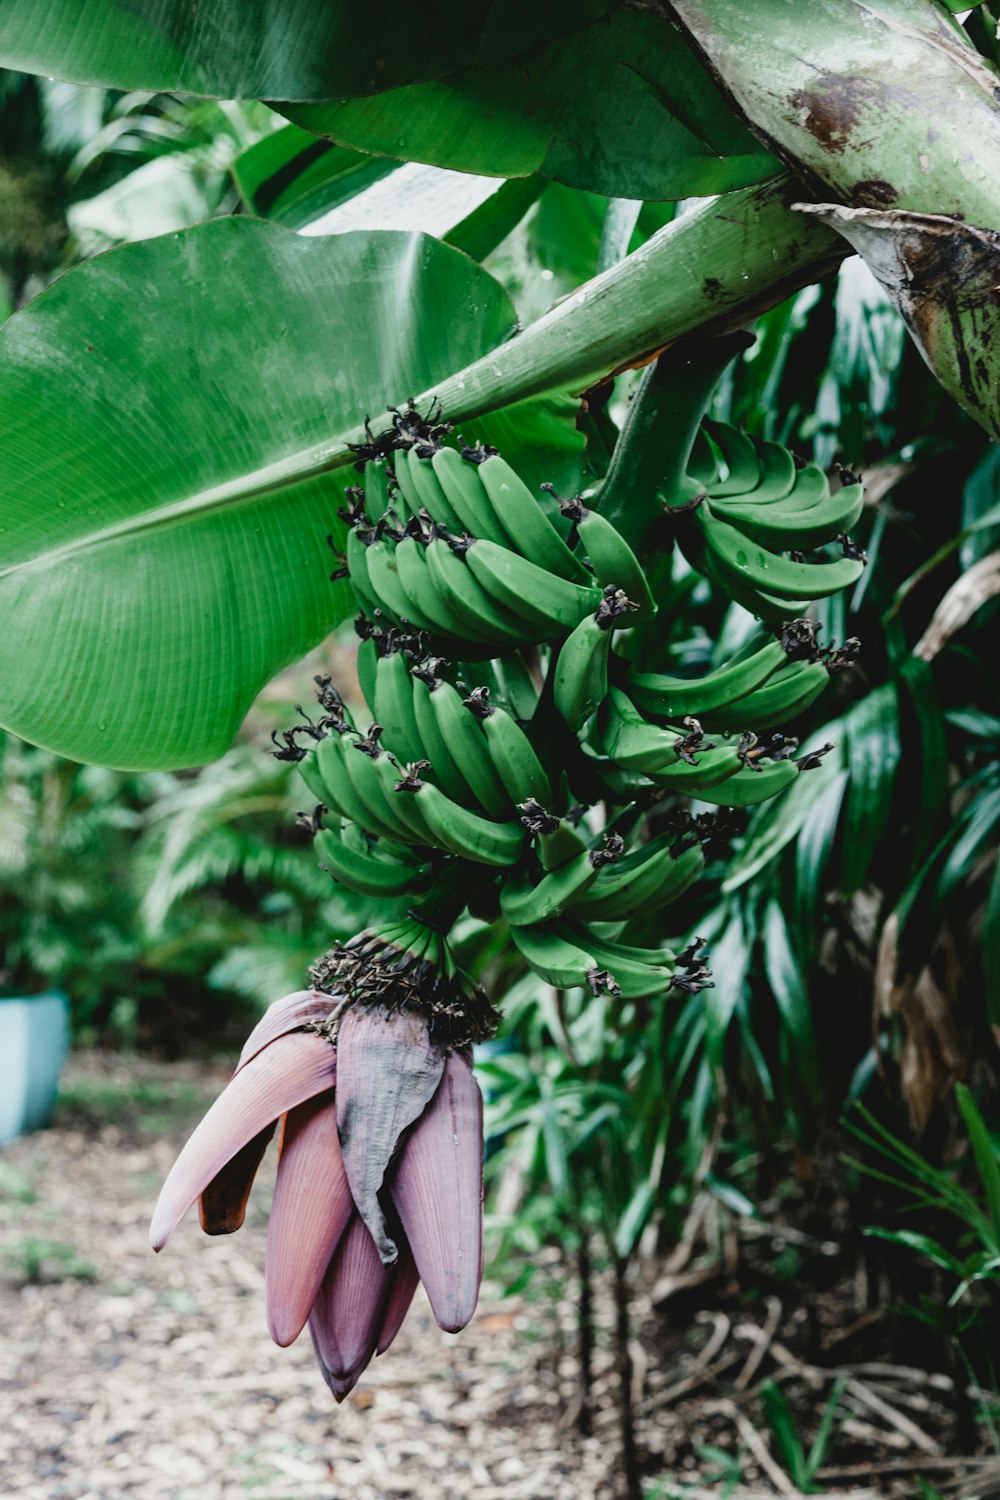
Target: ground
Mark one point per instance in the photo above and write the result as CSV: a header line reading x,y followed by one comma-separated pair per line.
x,y
128,1374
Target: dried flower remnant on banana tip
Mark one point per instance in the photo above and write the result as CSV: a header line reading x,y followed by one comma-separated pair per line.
x,y
379,1181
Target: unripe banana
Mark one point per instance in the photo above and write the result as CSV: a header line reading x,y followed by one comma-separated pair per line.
x,y
512,752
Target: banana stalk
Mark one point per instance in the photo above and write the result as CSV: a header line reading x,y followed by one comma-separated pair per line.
x,y
887,108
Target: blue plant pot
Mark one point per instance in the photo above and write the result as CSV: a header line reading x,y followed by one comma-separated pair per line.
x,y
34,1040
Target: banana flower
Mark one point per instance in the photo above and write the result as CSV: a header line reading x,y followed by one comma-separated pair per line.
x,y
379,1180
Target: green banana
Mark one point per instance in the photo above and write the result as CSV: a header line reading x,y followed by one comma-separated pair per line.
x,y
365,873
808,489
463,832
384,581
648,882
778,472
705,464
376,811
523,903
511,751
537,596
428,610
630,979
631,972
558,960
342,797
397,782
767,606
459,478
354,837
607,780
740,457
675,697
393,707
477,614
461,732
615,564
406,500
519,687
636,745
432,495
557,839
357,571
749,562
308,769
748,787
338,794
376,489
443,768
580,672
784,527
787,693
714,767
529,531
367,668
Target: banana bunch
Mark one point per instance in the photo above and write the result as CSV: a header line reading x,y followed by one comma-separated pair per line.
x,y
384,808
504,699
458,547
753,504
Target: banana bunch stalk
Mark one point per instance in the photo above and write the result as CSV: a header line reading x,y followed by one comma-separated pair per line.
x,y
520,735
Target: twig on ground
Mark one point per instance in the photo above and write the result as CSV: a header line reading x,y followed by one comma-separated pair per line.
x,y
762,1338
867,1397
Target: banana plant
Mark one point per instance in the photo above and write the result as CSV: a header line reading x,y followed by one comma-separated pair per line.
x,y
190,418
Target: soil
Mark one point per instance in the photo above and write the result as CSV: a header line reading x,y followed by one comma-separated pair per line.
x,y
129,1374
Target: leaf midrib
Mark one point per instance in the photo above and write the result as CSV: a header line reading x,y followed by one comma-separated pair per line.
x,y
309,463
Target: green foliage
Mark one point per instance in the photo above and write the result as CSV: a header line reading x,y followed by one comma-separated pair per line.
x,y
313,49
800,1465
967,1245
234,499
621,107
66,905
37,1260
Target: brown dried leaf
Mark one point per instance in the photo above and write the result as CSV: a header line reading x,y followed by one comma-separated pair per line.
x,y
942,274
959,604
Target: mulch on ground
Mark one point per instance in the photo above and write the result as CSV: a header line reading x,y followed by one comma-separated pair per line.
x,y
128,1374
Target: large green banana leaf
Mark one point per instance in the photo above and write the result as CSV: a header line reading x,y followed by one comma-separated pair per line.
x,y
621,107
257,49
162,536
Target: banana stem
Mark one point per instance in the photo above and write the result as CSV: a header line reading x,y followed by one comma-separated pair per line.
x,y
650,460
843,91
457,884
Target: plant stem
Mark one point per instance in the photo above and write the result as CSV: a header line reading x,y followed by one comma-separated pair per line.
x,y
585,1331
712,270
650,460
630,1456
453,889
843,91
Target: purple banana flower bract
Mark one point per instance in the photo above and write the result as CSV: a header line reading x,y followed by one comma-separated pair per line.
x,y
438,1192
312,1207
375,1119
389,1071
